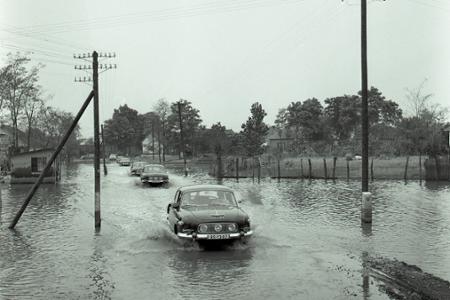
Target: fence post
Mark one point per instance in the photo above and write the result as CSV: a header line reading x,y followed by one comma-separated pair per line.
x,y
325,168
310,168
301,168
406,168
334,167
348,170
278,166
371,169
259,170
420,167
253,169
237,169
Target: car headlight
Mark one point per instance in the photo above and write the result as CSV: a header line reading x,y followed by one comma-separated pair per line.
x,y
232,227
202,228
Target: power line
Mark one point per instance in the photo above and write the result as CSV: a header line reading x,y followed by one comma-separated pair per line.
x,y
144,17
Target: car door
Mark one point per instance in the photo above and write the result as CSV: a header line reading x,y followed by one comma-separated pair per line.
x,y
172,216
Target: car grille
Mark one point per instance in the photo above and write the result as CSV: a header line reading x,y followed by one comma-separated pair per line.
x,y
212,228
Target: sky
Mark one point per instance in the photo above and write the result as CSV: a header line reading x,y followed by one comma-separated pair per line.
x,y
225,55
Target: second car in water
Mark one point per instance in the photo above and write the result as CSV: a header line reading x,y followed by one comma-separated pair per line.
x,y
154,174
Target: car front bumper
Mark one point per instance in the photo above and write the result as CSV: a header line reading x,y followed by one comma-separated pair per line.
x,y
205,236
154,180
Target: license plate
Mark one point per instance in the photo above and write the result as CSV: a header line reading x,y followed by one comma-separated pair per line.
x,y
218,236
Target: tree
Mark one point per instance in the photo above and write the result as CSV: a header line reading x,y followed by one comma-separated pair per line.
x,y
125,130
162,109
310,119
342,115
382,111
31,109
52,124
422,106
191,121
17,85
281,120
254,131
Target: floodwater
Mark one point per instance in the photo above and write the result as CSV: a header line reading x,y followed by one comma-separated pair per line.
x,y
308,241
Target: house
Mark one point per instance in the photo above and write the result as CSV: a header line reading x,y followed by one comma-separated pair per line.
x,y
6,141
26,167
147,145
279,140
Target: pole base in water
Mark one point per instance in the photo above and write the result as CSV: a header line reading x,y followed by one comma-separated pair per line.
x,y
366,207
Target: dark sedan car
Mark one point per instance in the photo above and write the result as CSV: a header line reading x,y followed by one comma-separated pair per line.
x,y
207,212
154,174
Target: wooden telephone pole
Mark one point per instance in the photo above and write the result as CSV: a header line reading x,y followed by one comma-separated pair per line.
x,y
95,67
364,99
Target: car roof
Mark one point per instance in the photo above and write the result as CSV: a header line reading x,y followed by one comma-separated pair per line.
x,y
205,187
154,165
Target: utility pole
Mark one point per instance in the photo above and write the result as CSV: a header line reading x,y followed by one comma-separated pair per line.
x,y
96,140
364,99
153,139
105,170
159,142
95,67
366,200
183,144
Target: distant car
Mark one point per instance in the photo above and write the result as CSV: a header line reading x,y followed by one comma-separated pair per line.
x,y
125,161
137,167
112,157
154,174
207,212
87,156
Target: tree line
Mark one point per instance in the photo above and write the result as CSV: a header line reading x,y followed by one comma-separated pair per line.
x,y
25,113
311,127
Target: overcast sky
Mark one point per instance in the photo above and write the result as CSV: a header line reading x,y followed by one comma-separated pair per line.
x,y
224,55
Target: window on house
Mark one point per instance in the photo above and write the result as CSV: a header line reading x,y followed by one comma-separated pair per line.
x,y
38,164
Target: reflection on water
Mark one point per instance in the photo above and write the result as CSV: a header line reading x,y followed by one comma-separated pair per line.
x,y
195,271
101,281
309,241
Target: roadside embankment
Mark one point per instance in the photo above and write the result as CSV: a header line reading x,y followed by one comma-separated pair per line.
x,y
403,281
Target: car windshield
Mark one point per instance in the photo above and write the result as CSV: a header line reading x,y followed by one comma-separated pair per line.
x,y
154,169
208,198
138,165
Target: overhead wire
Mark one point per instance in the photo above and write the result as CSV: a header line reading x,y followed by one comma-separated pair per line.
x,y
302,24
149,17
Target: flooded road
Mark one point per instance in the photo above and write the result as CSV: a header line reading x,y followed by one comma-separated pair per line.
x,y
308,241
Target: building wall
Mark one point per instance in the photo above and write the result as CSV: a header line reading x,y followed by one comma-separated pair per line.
x,y
24,161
